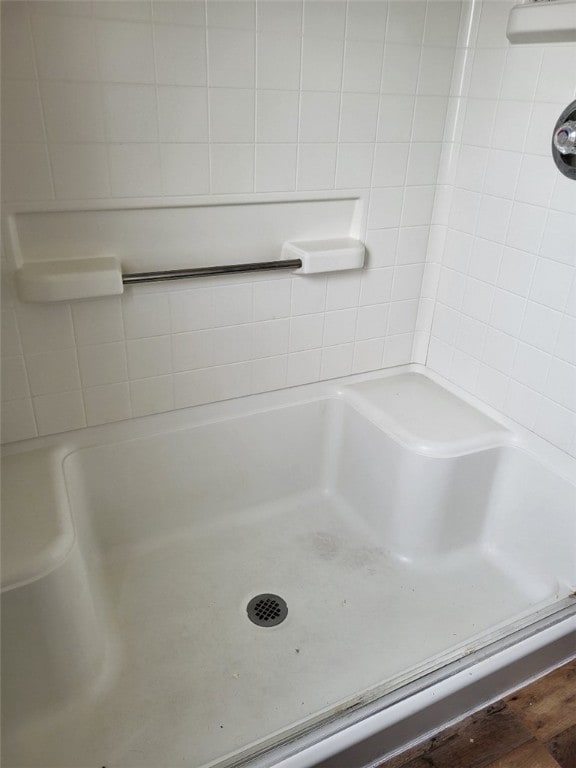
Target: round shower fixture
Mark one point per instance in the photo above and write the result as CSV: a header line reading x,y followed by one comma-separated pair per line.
x,y
564,142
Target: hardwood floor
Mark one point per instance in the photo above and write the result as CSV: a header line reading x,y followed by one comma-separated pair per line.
x,y
532,728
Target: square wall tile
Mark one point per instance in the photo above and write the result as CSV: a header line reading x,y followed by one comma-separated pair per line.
x,y
14,379
232,14
125,52
402,317
308,295
430,118
319,113
412,245
131,10
98,321
442,22
531,367
53,372
182,113
565,347
322,64
21,111
407,282
272,299
337,361
559,238
499,350
385,208
540,326
516,271
343,289
400,69
152,395
185,169
108,403
269,373
424,163
521,72
102,363
280,16
551,285
192,350
555,424
59,413
233,304
306,332
316,166
398,350
45,328
390,164
231,58
180,55
536,180
376,286
232,168
325,18
18,421
278,59
275,167
73,111
368,355
362,65
526,227
231,345
303,367
555,81
487,70
436,66
146,315
366,20
277,116
395,114
130,112
80,171
135,170
65,48
354,165
358,117
212,384
507,312
406,21
340,328
231,114
270,338
26,173
372,321
17,43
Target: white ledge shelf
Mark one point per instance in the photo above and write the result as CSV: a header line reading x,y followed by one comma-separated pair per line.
x,y
543,22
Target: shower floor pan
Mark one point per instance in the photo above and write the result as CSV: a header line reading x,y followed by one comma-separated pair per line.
x,y
413,538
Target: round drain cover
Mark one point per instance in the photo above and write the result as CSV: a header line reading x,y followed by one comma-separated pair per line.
x,y
267,610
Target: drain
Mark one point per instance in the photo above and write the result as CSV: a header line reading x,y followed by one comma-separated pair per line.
x,y
267,610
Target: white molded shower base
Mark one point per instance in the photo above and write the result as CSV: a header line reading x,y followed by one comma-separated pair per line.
x,y
375,598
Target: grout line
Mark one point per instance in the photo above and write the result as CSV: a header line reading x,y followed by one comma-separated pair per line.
x,y
46,142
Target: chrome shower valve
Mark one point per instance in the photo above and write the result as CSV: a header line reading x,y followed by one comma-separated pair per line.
x,y
565,138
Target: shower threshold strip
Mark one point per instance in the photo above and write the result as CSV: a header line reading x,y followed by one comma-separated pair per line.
x,y
224,269
382,697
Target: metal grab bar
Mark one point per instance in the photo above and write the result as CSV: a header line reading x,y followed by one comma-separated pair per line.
x,y
224,269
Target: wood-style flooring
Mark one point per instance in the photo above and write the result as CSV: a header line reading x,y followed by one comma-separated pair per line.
x,y
532,728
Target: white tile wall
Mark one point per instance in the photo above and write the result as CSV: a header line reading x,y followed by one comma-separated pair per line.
x,y
503,325
105,100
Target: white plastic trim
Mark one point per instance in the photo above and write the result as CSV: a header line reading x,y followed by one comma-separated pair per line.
x,y
544,22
